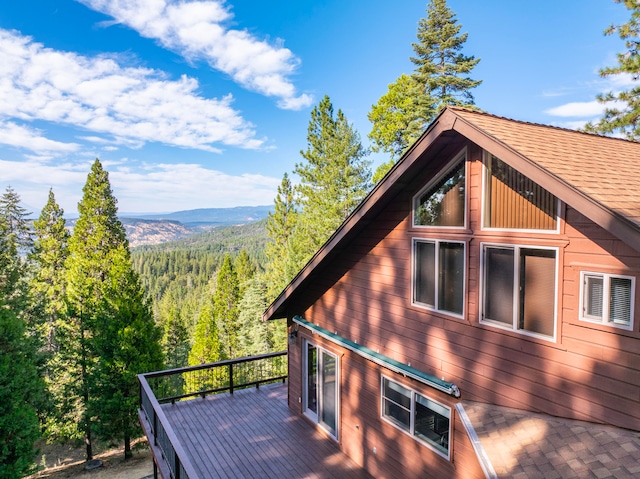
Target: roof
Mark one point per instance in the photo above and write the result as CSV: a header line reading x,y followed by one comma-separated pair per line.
x,y
594,174
512,443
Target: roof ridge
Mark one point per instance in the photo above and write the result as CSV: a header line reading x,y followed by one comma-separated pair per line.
x,y
542,125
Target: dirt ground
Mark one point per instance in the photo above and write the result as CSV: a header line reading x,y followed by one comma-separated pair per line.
x,y
67,462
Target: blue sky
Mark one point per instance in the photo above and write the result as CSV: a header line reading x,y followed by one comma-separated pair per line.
x,y
204,104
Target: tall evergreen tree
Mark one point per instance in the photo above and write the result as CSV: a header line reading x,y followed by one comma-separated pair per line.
x,y
48,257
622,113
17,219
127,342
50,251
441,68
15,242
206,345
334,178
245,268
175,336
225,309
440,78
280,225
105,305
19,385
257,336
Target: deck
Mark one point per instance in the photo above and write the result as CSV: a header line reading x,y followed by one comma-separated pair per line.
x,y
254,434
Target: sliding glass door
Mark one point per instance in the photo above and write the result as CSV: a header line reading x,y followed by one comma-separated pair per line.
x,y
320,387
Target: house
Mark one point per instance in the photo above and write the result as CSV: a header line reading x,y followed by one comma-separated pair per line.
x,y
477,314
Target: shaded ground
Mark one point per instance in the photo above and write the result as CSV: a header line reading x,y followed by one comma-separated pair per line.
x,y
67,462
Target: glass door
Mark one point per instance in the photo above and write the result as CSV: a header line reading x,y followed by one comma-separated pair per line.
x,y
320,387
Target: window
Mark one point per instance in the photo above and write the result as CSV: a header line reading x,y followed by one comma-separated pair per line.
x,y
607,299
320,387
417,415
519,288
439,275
443,203
513,201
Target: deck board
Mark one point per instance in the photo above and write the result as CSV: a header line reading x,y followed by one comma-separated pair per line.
x,y
254,434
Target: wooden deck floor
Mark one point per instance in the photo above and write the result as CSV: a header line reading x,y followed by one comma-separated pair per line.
x,y
253,434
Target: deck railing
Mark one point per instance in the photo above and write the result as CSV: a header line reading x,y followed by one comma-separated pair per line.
x,y
183,383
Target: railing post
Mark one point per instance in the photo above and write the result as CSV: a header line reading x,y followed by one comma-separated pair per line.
x,y
155,428
231,378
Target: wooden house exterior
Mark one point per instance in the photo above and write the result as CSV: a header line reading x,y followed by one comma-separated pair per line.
x,y
497,263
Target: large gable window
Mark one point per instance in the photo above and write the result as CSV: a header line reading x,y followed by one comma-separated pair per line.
x,y
519,289
442,203
513,201
439,273
607,299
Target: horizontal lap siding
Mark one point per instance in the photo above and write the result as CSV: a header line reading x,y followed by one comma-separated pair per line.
x,y
607,357
590,372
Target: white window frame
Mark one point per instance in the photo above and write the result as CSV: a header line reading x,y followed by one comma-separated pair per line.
x,y
516,290
412,414
461,156
315,416
483,209
606,298
414,285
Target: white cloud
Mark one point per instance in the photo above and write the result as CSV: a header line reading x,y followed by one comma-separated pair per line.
x,y
577,109
152,188
173,187
31,139
196,30
133,105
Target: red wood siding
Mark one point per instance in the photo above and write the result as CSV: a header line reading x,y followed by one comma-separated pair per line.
x,y
397,455
590,372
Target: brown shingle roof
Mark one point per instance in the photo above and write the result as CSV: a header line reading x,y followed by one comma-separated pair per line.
x,y
521,444
605,169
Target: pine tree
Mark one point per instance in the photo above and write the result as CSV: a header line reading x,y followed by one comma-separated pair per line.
x,y
15,242
440,65
17,219
245,268
127,342
225,309
175,337
206,349
439,79
206,345
258,336
622,113
107,316
49,254
280,225
19,385
333,180
50,251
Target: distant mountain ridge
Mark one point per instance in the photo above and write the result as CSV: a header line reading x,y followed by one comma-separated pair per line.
x,y
212,216
156,228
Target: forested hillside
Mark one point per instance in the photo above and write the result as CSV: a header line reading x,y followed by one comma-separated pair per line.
x,y
191,262
183,278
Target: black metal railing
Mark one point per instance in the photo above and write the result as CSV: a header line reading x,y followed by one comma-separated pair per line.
x,y
173,385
